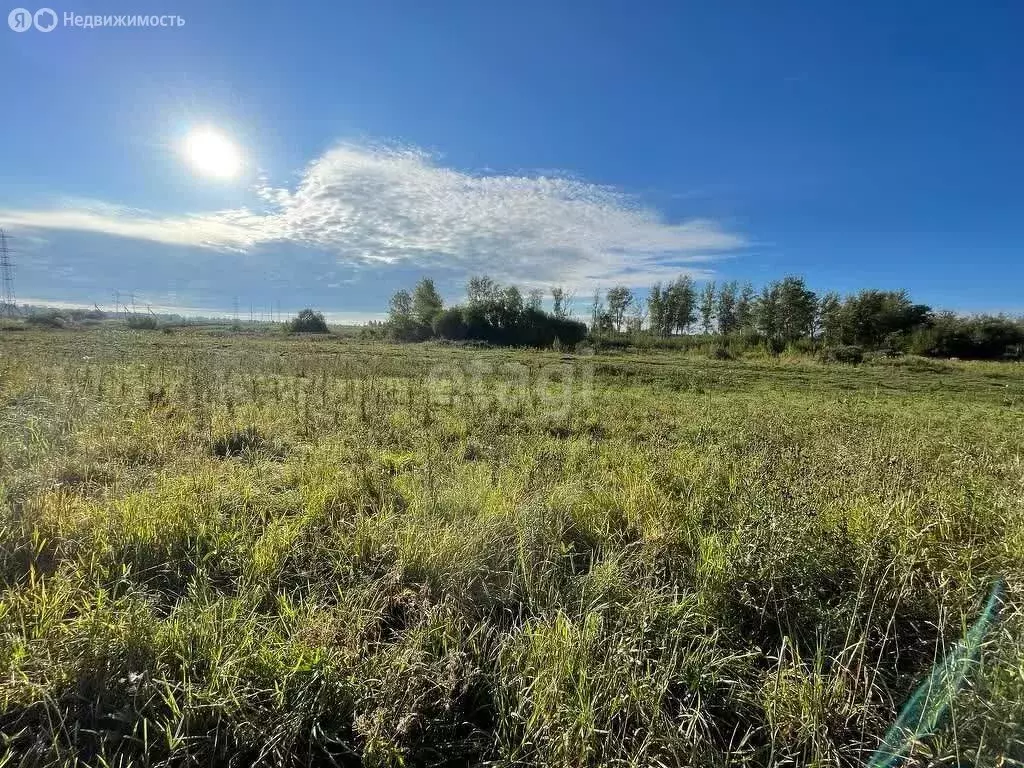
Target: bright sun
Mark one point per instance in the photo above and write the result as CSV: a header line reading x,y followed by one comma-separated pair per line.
x,y
211,154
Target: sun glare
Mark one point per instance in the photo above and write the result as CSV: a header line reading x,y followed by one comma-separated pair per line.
x,y
212,154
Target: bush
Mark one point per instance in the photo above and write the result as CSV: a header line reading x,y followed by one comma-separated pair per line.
x,y
969,338
805,346
46,320
448,324
847,354
308,321
142,322
893,345
493,324
407,329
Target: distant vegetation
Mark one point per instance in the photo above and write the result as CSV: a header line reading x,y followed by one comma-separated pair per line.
x,y
308,321
141,322
786,314
722,320
728,318
46,320
493,313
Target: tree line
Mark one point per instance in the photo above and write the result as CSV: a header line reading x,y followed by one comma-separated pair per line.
x,y
783,313
492,313
787,313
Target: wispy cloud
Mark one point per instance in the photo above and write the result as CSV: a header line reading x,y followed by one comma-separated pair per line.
x,y
227,230
375,205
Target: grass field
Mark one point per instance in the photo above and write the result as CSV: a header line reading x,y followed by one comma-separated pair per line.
x,y
252,550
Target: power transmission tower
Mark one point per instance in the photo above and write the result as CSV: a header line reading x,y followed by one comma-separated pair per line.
x,y
7,277
234,311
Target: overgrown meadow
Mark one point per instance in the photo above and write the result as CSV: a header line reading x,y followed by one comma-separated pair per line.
x,y
220,549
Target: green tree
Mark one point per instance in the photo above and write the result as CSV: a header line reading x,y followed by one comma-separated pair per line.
x,y
619,298
635,322
870,316
400,308
767,311
596,312
656,311
746,306
726,309
481,290
535,299
707,307
308,321
559,302
681,300
511,304
830,317
401,323
797,307
426,302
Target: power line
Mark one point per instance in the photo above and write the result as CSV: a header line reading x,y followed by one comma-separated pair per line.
x,y
7,277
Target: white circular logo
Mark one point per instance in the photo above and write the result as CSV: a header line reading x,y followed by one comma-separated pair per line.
x,y
20,20
45,19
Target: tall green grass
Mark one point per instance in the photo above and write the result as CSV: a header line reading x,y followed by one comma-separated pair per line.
x,y
244,551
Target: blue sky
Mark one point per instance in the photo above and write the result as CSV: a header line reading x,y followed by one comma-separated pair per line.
x,y
861,144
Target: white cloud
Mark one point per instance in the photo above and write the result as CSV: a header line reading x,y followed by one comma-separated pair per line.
x,y
227,230
379,205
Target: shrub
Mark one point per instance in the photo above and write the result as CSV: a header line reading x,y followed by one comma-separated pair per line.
x,y
893,345
46,320
407,329
493,325
969,338
848,354
569,332
142,322
448,324
308,321
803,346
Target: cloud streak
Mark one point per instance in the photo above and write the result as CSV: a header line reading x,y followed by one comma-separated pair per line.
x,y
372,205
228,230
